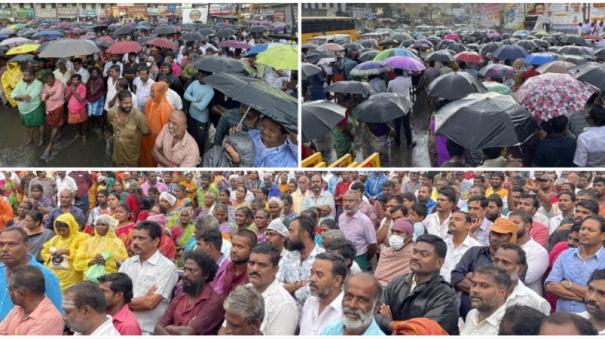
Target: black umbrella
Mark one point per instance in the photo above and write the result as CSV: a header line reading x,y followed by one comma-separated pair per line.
x,y
225,33
99,28
401,36
206,31
319,118
382,107
574,50
218,63
600,54
443,44
575,59
542,43
496,120
455,85
592,73
164,30
433,39
367,56
554,49
188,28
259,95
314,56
444,56
527,44
368,43
258,29
353,46
510,52
575,40
474,47
351,87
22,58
457,47
193,36
407,43
123,30
490,47
309,70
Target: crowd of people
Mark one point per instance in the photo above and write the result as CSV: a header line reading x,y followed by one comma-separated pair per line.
x,y
147,92
450,80
307,253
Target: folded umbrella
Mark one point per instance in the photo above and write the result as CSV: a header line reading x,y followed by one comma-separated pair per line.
x,y
405,63
280,57
369,68
469,57
382,107
163,43
495,120
351,87
455,85
65,48
319,118
218,63
124,46
259,95
234,44
550,95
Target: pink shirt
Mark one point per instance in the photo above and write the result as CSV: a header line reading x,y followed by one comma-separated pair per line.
x,y
44,320
125,322
75,105
52,102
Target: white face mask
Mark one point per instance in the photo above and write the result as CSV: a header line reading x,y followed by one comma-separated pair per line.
x,y
149,64
396,241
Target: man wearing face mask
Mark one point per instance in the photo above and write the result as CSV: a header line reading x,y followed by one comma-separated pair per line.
x,y
129,125
395,258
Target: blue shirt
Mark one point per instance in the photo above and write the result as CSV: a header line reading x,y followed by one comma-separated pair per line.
x,y
55,212
337,328
284,155
199,95
53,290
430,205
373,186
569,266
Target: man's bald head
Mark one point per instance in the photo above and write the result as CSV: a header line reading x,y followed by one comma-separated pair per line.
x,y
177,123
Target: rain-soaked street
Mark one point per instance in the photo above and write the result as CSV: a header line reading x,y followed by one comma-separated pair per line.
x,y
66,153
419,155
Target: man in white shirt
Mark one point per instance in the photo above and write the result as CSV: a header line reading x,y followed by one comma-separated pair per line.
x,y
153,276
566,207
402,85
511,258
64,181
78,69
115,60
458,243
590,150
142,85
281,311
174,99
111,98
85,312
537,256
477,208
438,223
595,300
325,303
488,292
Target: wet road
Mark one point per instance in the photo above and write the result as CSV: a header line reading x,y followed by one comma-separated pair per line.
x,y
419,155
66,152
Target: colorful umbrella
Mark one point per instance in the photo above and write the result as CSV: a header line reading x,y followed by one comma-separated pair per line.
x,y
540,58
369,68
280,57
387,53
27,48
405,63
260,48
452,36
469,57
15,41
163,43
234,44
124,46
553,94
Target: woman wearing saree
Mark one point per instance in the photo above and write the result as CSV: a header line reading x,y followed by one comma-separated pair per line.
x,y
157,113
125,227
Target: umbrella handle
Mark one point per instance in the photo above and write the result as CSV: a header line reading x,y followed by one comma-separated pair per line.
x,y
239,125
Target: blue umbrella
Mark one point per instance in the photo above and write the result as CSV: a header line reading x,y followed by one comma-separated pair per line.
x,y
257,49
540,58
49,34
142,27
510,52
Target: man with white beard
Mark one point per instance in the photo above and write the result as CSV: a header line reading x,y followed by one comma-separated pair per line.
x,y
358,307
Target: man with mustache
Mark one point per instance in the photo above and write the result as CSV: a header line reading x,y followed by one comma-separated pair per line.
x,y
153,276
502,231
437,223
320,198
423,293
359,304
174,146
490,286
295,266
595,300
325,303
358,228
458,242
236,272
570,274
196,309
281,312
129,125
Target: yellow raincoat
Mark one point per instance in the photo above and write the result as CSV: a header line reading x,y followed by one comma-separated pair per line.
x,y
10,79
70,275
99,244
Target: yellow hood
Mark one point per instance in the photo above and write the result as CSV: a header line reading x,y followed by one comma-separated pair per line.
x,y
68,219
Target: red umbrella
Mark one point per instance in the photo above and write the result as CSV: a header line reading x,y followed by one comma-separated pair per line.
x,y
105,38
162,43
469,57
124,46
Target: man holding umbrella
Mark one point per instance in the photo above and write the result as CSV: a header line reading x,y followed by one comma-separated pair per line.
x,y
402,85
274,145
